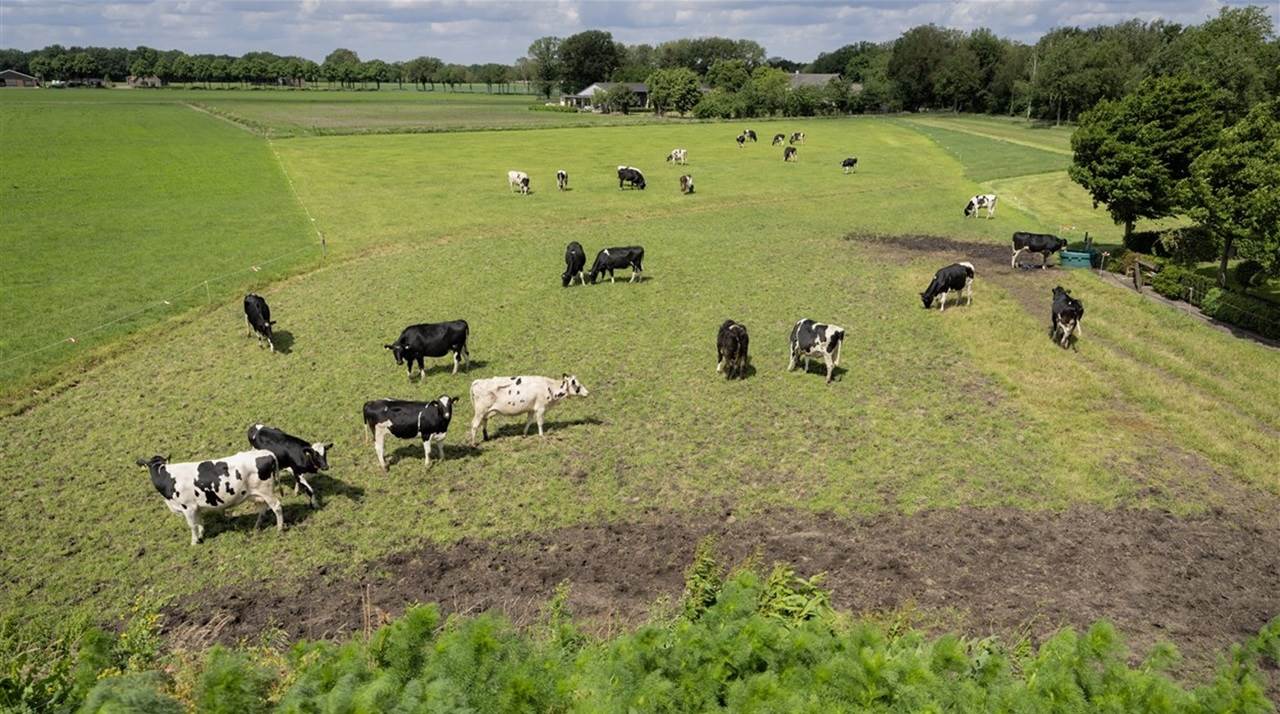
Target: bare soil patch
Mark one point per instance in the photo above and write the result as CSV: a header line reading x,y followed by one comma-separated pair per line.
x,y
1202,582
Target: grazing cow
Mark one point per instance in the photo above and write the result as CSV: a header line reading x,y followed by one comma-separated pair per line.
x,y
575,259
190,489
513,396
956,277
678,156
813,339
408,420
431,339
981,201
789,153
778,139
750,135
1042,243
519,181
611,259
849,164
742,140
630,175
297,455
1065,318
731,349
562,179
686,184
797,137
258,317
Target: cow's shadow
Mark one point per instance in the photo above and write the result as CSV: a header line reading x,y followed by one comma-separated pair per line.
x,y
818,367
283,340
447,366
245,517
515,427
326,486
747,373
413,452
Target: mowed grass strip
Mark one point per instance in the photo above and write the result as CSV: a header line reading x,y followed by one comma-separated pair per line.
x,y
111,208
1056,139
985,157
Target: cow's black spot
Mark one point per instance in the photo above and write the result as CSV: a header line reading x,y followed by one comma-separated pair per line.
x,y
164,483
266,466
208,476
517,380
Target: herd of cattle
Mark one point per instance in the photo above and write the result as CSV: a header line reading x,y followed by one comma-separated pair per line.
x,y
193,488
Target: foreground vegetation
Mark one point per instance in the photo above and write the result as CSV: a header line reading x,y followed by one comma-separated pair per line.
x,y
750,641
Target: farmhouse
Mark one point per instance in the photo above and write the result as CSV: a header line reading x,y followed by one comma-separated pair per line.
x,y
586,98
145,81
14,78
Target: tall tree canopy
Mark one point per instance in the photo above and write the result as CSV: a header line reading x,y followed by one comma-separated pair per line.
x,y
588,57
544,54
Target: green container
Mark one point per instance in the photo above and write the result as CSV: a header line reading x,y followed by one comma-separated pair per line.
x,y
1076,259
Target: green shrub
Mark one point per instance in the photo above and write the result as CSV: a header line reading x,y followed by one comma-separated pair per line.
x,y
1187,245
129,693
1249,274
552,108
1169,282
1142,241
231,683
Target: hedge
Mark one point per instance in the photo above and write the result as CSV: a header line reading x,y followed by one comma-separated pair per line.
x,y
1235,308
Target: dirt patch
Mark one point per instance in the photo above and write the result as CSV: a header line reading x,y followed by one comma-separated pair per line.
x,y
1202,583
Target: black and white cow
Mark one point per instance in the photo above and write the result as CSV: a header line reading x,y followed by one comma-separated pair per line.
x,y
956,277
778,139
1065,318
686,184
731,349
742,140
678,156
797,137
849,164
611,259
750,134
789,153
192,488
980,202
431,339
297,455
575,259
814,339
630,175
1042,243
427,421
562,179
518,181
257,315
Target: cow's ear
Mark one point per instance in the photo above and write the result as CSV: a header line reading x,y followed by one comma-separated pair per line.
x,y
564,375
387,347
141,462
328,446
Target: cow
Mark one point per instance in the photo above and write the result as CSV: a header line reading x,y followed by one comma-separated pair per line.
x,y
630,175
686,184
611,259
408,420
849,164
1065,317
575,259
731,349
519,181
789,153
797,137
981,201
813,339
192,488
678,156
742,140
1042,243
956,277
513,396
750,135
778,139
431,339
257,315
297,455
562,179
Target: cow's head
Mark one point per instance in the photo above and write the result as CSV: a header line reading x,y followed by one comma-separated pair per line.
x,y
446,405
316,456
570,387
156,461
524,183
927,299
398,351
970,208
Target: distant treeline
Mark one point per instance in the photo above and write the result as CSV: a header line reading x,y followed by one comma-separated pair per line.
x,y
1066,72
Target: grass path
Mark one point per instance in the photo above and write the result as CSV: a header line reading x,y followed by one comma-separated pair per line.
x,y
995,131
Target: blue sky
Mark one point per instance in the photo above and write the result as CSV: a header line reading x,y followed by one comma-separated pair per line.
x,y
470,31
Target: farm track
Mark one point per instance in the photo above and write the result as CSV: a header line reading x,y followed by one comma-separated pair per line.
x,y
1200,582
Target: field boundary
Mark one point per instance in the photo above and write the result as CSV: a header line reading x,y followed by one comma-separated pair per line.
x,y
219,117
965,130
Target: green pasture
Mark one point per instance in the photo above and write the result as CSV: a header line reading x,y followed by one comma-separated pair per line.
x,y
1010,130
929,411
985,158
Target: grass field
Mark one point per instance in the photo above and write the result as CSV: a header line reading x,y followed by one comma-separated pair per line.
x,y
969,409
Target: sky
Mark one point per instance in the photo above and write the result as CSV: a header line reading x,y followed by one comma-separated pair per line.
x,y
478,31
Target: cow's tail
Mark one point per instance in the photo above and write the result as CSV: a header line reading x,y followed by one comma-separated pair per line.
x,y
640,260
838,338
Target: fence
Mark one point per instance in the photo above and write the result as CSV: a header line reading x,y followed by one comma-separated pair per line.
x,y
1238,309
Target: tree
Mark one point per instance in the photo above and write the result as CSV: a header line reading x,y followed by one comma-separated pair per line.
x,y
729,75
784,64
958,79
1235,190
638,62
699,54
1134,154
917,55
341,65
673,89
375,71
587,57
82,65
766,94
544,54
618,98
1230,51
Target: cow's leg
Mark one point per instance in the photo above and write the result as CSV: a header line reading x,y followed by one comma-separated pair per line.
x,y
791,364
528,422
1044,260
720,362
538,413
968,292
457,357
408,368
440,448
274,504
271,343
942,304
611,277
426,451
306,488
478,421
831,367
422,367
193,522
379,437
806,363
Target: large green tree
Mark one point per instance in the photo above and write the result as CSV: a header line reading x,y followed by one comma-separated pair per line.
x,y
544,54
676,89
1135,154
1235,189
917,56
587,57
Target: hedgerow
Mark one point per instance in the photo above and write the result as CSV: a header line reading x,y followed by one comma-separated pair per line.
x,y
742,642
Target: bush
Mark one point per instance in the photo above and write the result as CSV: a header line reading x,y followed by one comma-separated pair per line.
x,y
1169,282
1142,241
1249,274
552,108
1187,245
232,684
1242,310
133,692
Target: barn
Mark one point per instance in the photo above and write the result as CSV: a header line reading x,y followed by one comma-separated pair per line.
x,y
586,98
14,78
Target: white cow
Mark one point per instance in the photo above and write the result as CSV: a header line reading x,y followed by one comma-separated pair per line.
x,y
513,396
518,180
191,488
979,202
679,156
562,179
